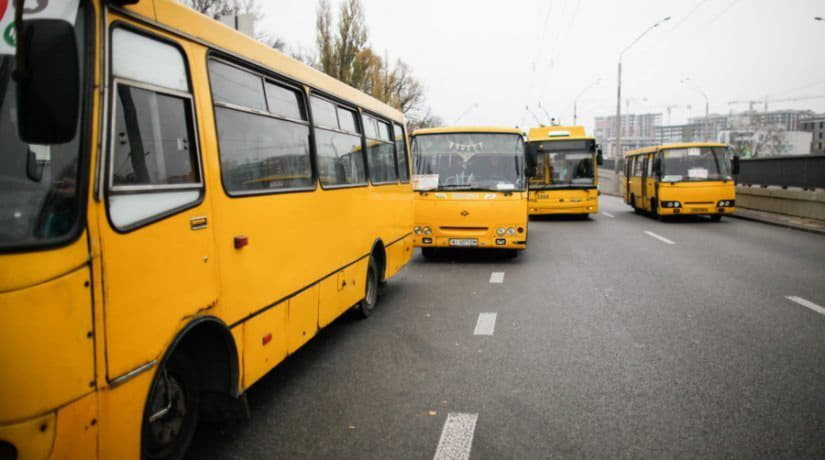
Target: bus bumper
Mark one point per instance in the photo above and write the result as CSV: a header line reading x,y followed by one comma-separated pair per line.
x,y
589,208
68,432
696,211
518,241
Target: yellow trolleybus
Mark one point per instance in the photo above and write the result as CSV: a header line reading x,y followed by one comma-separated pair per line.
x,y
181,208
679,179
566,178
470,189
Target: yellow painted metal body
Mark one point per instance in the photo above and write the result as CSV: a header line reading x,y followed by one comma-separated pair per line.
x,y
471,214
561,201
84,325
644,191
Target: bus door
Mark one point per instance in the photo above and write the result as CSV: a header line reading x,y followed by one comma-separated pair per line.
x,y
156,232
649,187
636,181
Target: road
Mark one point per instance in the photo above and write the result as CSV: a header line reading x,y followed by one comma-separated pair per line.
x,y
607,341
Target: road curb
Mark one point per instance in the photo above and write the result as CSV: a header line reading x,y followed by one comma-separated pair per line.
x,y
778,224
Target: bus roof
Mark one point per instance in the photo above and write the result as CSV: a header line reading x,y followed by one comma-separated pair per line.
x,y
196,26
557,133
468,129
683,145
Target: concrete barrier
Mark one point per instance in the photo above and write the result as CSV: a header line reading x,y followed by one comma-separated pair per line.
x,y
800,203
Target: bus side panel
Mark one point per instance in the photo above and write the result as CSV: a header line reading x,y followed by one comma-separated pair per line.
x,y
303,318
46,348
398,255
76,435
265,342
121,416
341,291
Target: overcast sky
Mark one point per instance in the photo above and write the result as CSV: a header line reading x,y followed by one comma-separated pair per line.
x,y
505,55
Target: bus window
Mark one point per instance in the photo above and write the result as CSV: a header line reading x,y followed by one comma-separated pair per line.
x,y
401,153
153,166
340,155
236,86
380,151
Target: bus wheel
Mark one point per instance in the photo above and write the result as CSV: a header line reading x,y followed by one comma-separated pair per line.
x,y
633,204
654,210
171,413
715,217
366,306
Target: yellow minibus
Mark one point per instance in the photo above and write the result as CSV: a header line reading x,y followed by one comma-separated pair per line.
x,y
470,189
682,179
566,178
182,208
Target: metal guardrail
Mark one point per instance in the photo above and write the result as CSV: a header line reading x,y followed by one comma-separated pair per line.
x,y
804,171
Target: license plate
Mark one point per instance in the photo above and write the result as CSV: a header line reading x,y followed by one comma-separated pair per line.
x,y
463,242
699,210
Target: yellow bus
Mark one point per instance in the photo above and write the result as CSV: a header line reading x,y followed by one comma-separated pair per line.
x,y
566,178
471,189
682,179
182,208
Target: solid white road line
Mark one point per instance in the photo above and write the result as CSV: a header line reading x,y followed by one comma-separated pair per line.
x,y
659,237
456,437
486,324
497,277
608,214
806,304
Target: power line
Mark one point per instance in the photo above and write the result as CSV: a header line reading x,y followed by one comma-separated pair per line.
x,y
730,5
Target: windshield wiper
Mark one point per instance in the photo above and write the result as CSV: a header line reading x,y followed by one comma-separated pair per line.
x,y
455,187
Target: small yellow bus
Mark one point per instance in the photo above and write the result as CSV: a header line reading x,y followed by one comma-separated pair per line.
x,y
682,179
470,189
566,178
181,208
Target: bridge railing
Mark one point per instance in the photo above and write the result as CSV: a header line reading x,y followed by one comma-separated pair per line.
x,y
803,171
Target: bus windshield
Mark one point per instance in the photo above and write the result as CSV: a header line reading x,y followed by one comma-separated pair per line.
x,y
695,164
471,161
564,164
39,185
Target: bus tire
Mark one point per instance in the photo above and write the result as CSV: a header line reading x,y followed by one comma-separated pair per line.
x,y
172,409
654,209
371,286
715,217
633,204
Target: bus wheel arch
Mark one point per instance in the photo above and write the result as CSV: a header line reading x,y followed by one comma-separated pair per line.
x,y
200,372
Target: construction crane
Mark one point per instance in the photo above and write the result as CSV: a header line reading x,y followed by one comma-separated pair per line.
x,y
670,108
752,103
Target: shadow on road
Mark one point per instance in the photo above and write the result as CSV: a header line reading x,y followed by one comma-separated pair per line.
x,y
472,256
561,218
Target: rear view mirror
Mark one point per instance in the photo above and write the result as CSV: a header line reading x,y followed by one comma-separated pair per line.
x,y
735,165
530,159
657,167
48,82
599,156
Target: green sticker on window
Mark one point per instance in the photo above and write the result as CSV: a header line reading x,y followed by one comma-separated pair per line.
x,y
9,35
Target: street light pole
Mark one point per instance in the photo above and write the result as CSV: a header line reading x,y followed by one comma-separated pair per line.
x,y
576,100
692,84
618,149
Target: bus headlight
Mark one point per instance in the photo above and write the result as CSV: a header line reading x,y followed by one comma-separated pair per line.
x,y
671,204
417,230
726,204
511,231
427,231
500,231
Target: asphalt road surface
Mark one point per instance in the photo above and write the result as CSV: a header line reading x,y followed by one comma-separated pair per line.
x,y
616,336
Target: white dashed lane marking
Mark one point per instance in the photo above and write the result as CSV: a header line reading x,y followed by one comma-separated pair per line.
x,y
456,437
806,304
659,237
486,324
608,214
497,277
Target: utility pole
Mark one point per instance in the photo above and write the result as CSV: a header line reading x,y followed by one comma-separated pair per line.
x,y
618,149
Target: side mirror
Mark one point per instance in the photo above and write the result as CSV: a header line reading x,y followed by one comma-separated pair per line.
x,y
48,84
735,165
657,167
34,168
599,157
530,160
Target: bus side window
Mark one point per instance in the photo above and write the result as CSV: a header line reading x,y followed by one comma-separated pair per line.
x,y
340,155
401,153
650,166
154,167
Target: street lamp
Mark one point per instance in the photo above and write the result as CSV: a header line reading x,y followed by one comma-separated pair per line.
x,y
618,149
576,100
692,85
